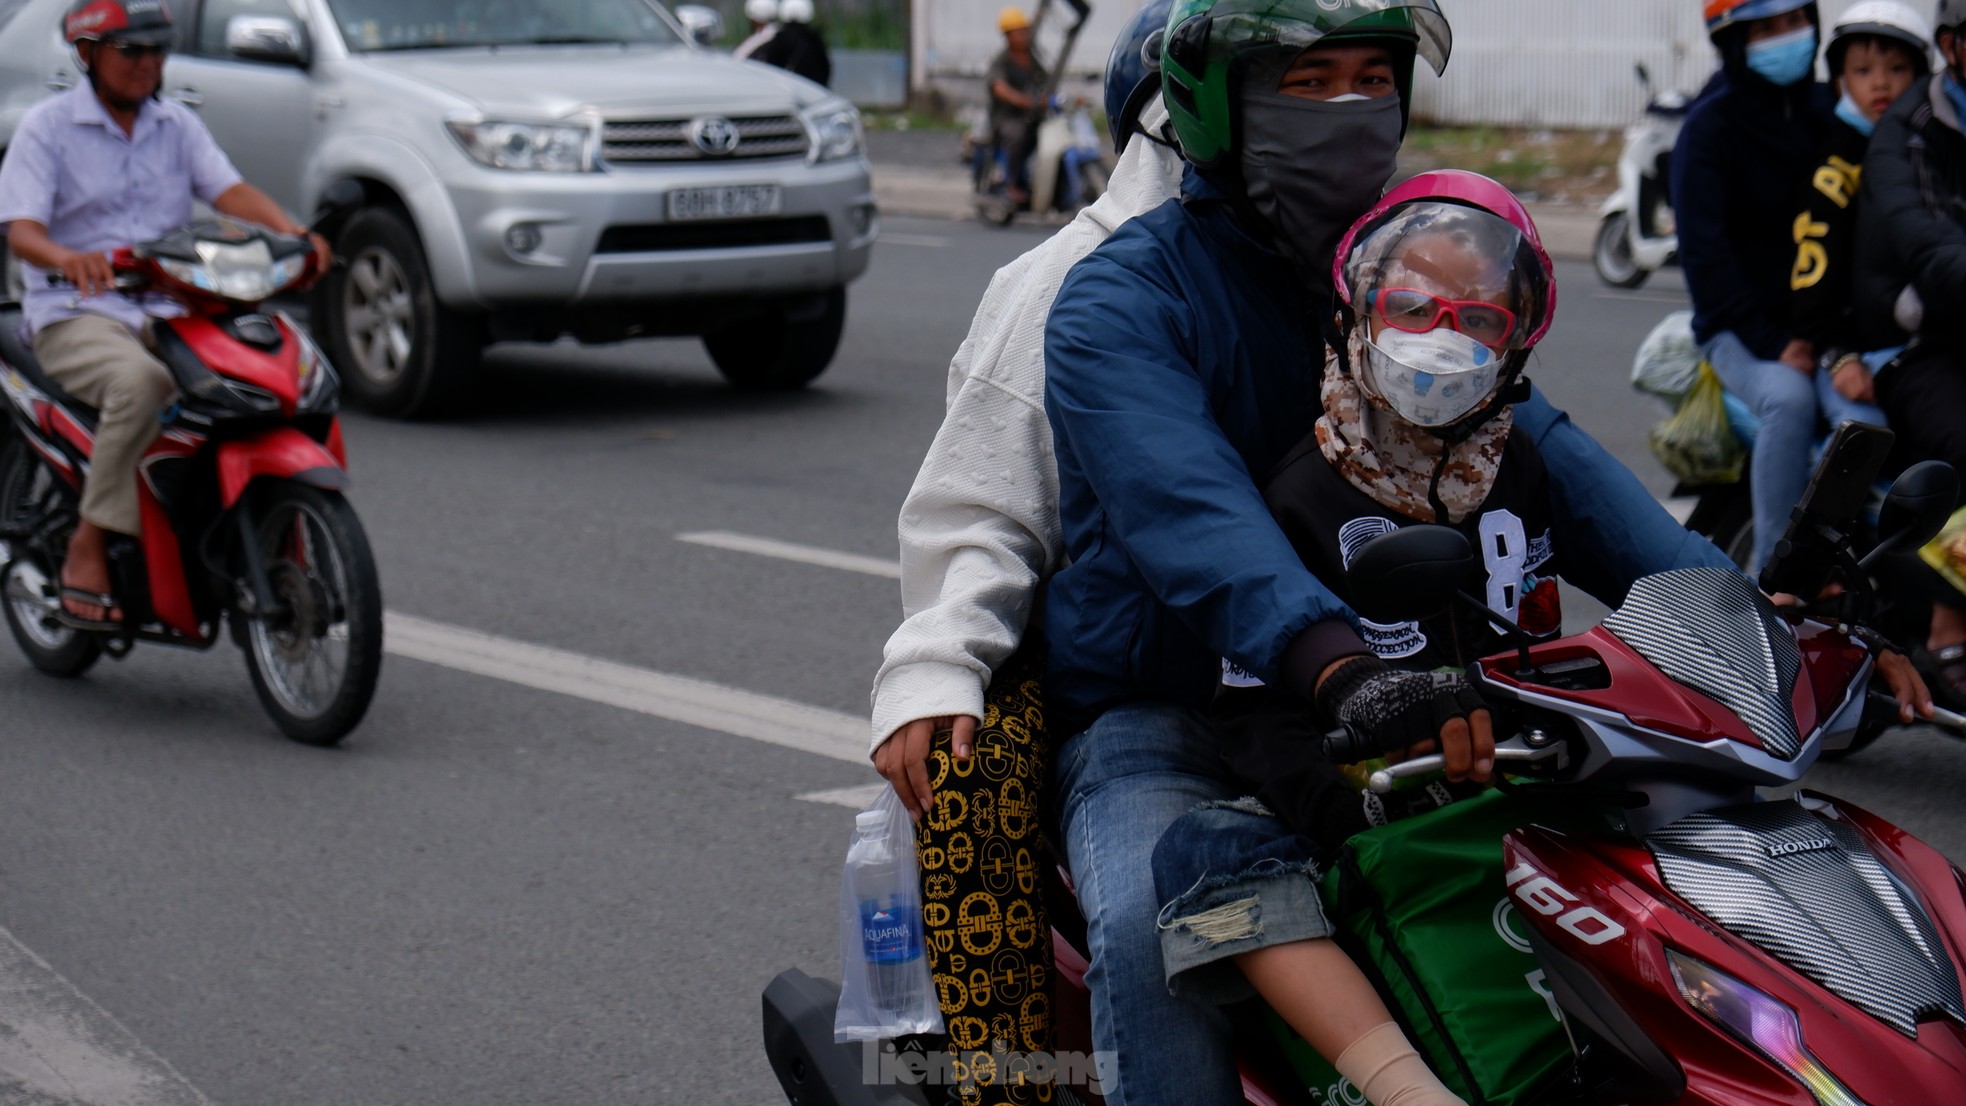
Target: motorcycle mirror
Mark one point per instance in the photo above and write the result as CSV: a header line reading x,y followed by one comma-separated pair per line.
x,y
1409,574
1920,501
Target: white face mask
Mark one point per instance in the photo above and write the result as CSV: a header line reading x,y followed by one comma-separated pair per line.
x,y
1432,379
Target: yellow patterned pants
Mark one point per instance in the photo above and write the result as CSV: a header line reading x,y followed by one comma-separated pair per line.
x,y
989,940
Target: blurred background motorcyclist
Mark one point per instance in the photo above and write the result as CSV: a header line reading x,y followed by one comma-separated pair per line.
x,y
1016,81
762,15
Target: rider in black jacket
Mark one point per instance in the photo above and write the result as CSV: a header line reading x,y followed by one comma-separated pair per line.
x,y
1912,230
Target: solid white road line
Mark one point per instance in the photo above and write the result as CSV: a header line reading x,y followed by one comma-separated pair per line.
x,y
857,798
931,241
678,698
787,551
58,1047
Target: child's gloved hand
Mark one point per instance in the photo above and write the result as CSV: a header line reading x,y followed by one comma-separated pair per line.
x,y
1412,711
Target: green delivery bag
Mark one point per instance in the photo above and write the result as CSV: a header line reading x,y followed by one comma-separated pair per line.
x,y
1421,905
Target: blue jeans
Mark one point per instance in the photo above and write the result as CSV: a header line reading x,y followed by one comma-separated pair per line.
x,y
1784,404
1120,784
1234,879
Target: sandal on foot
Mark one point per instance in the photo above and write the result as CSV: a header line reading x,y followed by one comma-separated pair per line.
x,y
75,621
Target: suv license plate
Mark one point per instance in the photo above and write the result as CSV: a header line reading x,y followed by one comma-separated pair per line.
x,y
743,201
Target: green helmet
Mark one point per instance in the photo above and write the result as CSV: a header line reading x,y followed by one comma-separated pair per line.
x,y
1208,41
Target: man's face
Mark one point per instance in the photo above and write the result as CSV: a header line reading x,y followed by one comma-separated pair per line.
x,y
1340,69
1953,46
1875,75
126,73
1758,29
1019,40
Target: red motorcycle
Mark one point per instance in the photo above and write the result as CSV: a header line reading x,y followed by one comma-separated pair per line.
x,y
244,522
1700,946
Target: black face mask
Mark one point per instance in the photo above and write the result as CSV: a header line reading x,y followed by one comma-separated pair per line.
x,y
1311,168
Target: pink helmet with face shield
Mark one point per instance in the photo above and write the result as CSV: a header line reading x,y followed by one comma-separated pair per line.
x,y
1458,187
1450,288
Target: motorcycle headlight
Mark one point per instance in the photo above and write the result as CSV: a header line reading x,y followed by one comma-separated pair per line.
x,y
244,272
1758,1020
835,134
567,147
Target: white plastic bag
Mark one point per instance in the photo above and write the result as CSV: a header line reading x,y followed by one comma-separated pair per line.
x,y
1668,360
885,989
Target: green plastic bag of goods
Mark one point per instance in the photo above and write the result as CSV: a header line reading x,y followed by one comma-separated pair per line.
x,y
1422,905
1696,443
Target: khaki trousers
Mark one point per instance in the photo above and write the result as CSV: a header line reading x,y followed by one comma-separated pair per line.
x,y
102,363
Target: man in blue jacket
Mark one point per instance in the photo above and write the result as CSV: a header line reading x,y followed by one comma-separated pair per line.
x,y
1753,133
1182,360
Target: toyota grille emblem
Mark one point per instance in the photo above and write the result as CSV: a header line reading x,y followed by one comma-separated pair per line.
x,y
714,135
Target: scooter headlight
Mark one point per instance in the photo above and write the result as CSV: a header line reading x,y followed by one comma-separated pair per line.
x,y
1758,1020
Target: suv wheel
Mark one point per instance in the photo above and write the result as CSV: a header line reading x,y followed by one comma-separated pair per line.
x,y
399,351
782,352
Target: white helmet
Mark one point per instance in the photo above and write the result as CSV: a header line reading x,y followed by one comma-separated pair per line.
x,y
1882,19
761,11
795,11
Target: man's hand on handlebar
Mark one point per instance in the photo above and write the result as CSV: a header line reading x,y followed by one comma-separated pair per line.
x,y
1907,686
903,758
323,255
90,273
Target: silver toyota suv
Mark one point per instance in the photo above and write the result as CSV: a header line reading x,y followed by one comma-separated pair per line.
x,y
532,168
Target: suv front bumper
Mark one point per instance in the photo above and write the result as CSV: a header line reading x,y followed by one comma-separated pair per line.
x,y
599,239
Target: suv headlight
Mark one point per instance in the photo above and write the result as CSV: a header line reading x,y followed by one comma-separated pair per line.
x,y
835,133
543,147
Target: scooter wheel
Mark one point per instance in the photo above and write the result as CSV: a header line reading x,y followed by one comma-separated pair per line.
x,y
1612,253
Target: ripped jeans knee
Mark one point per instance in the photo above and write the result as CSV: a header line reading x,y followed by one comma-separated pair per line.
x,y
1231,879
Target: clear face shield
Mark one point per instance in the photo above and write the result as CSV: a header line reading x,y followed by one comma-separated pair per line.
x,y
1444,293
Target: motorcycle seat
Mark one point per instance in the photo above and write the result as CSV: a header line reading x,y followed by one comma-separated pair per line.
x,y
17,351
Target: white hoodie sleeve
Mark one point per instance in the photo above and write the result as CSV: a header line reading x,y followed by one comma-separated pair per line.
x,y
979,529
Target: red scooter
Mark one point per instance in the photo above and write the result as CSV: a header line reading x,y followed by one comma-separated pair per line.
x,y
244,522
1700,946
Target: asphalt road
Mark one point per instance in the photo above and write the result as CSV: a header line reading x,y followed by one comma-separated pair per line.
x,y
494,893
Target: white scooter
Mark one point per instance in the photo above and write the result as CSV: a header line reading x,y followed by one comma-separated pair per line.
x,y
1637,234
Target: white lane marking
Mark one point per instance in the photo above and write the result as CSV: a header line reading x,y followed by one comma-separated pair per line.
x,y
858,798
57,1046
678,698
787,551
934,242
1680,507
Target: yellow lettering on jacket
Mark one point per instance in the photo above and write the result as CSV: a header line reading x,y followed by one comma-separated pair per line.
x,y
1838,180
1811,259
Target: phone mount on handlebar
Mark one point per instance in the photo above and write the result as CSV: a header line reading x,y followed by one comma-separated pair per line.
x,y
1819,546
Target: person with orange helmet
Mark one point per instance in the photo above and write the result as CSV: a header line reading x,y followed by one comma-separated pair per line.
x,y
1016,82
1748,141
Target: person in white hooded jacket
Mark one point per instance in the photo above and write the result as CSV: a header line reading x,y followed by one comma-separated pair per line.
x,y
978,533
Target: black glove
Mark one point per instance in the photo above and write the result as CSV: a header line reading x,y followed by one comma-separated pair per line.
x,y
1392,708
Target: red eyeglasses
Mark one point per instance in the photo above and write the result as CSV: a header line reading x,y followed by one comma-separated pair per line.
x,y
1416,312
